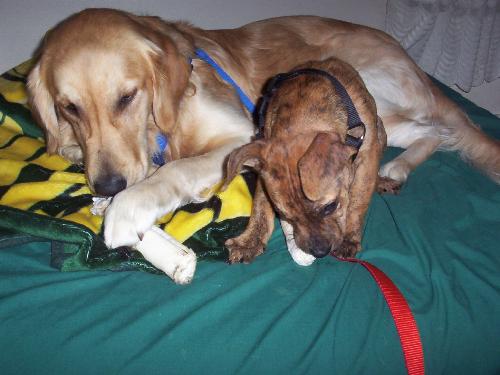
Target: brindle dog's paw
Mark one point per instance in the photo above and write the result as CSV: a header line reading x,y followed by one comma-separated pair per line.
x,y
242,251
387,185
347,249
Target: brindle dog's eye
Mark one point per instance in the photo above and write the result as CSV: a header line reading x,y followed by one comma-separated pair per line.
x,y
72,108
329,208
125,100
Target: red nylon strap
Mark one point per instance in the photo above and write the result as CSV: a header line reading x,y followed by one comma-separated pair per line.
x,y
403,318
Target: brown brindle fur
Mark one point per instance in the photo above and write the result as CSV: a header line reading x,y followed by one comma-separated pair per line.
x,y
305,165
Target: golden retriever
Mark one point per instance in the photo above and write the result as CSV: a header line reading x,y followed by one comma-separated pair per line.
x,y
106,82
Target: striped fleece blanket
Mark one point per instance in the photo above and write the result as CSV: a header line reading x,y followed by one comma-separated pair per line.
x,y
45,196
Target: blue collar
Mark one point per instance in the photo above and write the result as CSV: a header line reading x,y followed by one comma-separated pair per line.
x,y
162,141
226,77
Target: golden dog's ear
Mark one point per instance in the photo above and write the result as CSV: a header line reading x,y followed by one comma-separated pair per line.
x,y
249,155
325,159
42,107
170,76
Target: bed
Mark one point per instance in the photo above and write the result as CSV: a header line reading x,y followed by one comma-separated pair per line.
x,y
438,241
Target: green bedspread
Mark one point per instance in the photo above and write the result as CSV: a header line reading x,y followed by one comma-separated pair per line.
x,y
439,241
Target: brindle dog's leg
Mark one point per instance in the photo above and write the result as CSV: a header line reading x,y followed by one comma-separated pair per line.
x,y
364,184
252,241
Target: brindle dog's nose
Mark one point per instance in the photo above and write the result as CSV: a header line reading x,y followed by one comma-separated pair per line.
x,y
109,184
320,252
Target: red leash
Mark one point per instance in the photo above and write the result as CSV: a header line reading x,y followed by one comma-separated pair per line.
x,y
403,318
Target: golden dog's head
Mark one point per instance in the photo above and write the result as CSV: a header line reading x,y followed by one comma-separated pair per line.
x,y
104,84
307,179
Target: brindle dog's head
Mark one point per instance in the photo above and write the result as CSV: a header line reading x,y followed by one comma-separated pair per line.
x,y
307,179
303,160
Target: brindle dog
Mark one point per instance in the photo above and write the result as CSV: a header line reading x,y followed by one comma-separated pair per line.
x,y
310,168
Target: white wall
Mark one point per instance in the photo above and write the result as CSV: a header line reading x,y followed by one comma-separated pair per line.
x,y
23,22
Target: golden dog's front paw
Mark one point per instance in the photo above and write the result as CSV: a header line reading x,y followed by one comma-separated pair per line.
x,y
132,213
347,249
243,251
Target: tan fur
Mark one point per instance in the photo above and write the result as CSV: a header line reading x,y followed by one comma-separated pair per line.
x,y
97,56
305,165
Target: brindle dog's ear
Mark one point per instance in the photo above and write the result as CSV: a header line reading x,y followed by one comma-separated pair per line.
x,y
249,155
325,159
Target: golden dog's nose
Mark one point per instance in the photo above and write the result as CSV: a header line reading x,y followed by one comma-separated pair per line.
x,y
109,185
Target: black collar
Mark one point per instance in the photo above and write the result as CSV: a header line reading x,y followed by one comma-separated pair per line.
x,y
353,119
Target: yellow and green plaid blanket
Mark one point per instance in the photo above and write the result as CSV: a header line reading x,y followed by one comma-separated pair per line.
x,y
45,196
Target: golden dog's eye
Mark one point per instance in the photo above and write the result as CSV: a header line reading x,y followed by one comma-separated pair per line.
x,y
72,109
329,208
125,100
